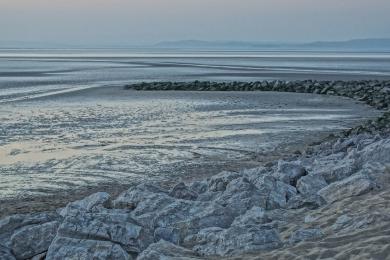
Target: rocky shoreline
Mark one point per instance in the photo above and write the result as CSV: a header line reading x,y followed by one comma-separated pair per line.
x,y
265,210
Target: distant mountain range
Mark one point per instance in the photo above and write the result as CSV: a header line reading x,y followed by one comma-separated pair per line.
x,y
351,45
357,44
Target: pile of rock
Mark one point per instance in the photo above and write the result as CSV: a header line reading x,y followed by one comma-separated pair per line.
x,y
231,213
373,92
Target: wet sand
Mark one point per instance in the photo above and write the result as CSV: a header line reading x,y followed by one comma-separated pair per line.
x,y
60,148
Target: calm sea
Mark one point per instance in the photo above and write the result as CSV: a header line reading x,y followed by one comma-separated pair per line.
x,y
28,73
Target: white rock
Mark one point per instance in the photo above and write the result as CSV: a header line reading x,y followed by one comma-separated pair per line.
x,y
117,228
355,185
33,240
236,240
93,203
163,250
64,248
311,184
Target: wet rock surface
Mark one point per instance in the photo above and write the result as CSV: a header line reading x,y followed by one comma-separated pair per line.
x,y
229,214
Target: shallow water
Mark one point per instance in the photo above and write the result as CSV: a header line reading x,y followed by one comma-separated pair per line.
x,y
112,135
32,73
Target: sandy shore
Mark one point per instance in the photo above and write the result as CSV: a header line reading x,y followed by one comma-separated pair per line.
x,y
329,200
61,148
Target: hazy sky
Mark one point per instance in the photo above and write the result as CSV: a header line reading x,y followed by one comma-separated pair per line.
x,y
149,21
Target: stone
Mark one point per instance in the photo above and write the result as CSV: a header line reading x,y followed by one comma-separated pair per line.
x,y
164,250
311,184
190,217
310,202
93,203
13,222
254,216
134,196
275,193
33,240
236,240
355,185
117,228
40,256
221,180
290,172
240,195
199,187
341,170
305,235
181,191
5,253
64,248
170,234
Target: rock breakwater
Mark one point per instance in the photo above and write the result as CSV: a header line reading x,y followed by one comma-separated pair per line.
x,y
265,209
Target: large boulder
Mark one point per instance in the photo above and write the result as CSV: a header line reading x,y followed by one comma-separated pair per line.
x,y
254,216
181,191
163,250
93,203
311,184
13,222
236,240
139,194
5,253
290,172
190,217
378,151
64,248
240,195
33,240
355,185
116,228
340,170
276,193
221,180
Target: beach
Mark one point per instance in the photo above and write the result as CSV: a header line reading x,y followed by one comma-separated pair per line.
x,y
64,147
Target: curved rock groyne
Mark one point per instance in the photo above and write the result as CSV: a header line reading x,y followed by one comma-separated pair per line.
x,y
334,191
373,92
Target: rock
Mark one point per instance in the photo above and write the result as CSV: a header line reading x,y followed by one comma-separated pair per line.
x,y
355,185
311,184
11,223
5,253
254,216
33,240
378,151
40,256
64,248
93,203
240,195
163,250
275,193
311,202
190,217
290,172
341,170
181,191
234,241
140,194
305,235
170,234
199,187
221,180
117,228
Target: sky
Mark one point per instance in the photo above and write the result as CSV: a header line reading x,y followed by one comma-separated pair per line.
x,y
140,22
